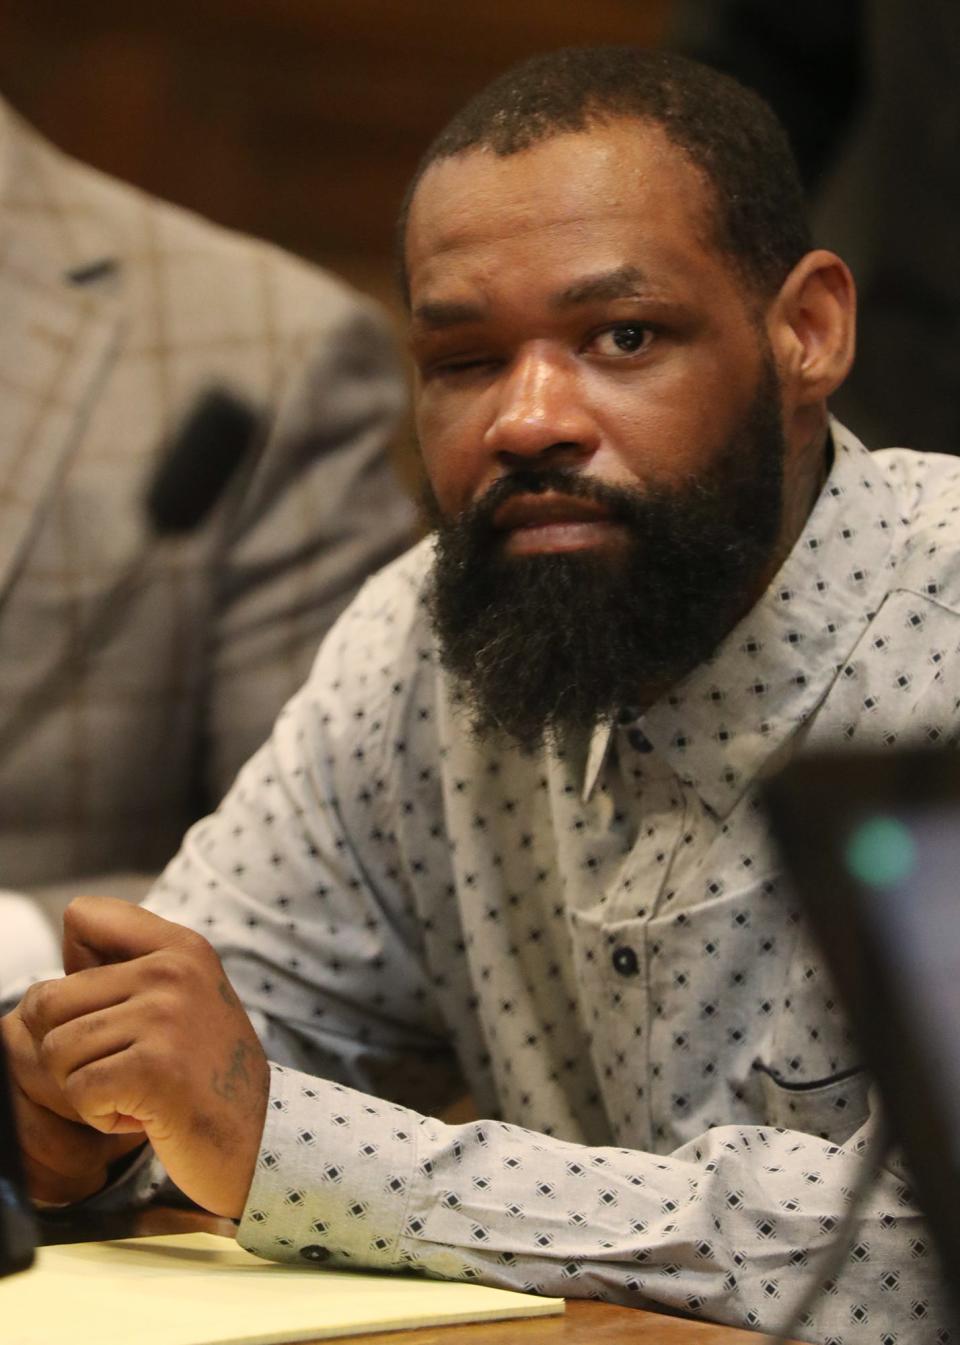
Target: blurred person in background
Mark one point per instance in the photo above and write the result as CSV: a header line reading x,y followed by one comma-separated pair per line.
x,y
138,671
869,91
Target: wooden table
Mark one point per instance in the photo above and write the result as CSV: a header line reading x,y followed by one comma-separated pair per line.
x,y
583,1323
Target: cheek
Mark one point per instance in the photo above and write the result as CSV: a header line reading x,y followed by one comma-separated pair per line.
x,y
451,446
664,430
647,440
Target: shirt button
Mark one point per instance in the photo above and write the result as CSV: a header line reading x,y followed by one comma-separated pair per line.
x,y
315,1253
625,961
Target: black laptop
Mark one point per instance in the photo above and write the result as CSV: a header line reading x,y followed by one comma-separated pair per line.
x,y
871,843
17,1228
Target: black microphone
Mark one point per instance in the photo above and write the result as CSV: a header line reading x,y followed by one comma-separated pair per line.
x,y
204,454
201,461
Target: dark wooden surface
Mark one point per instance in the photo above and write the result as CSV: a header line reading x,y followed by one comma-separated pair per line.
x,y
583,1323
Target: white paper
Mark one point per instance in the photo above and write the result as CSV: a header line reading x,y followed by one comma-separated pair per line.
x,y
200,1289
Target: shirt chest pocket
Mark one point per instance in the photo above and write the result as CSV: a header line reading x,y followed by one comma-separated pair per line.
x,y
807,1072
832,1108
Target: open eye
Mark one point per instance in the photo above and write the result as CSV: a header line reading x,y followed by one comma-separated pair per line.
x,y
622,339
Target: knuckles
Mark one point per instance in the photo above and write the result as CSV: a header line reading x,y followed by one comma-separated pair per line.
x,y
147,1069
37,1009
89,1091
175,969
19,1044
188,968
49,1048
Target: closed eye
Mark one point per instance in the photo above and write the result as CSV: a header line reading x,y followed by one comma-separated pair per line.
x,y
460,368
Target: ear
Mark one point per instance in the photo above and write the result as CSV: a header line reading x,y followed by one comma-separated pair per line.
x,y
812,326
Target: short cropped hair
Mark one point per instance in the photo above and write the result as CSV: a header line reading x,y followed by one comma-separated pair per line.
x,y
726,131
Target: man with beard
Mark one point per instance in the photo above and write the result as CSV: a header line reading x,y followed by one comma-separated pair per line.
x,y
507,833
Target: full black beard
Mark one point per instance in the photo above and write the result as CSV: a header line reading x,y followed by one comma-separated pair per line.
x,y
543,644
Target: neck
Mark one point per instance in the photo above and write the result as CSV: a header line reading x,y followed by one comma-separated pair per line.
x,y
803,482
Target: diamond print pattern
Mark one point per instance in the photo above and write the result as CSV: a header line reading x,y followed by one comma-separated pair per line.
x,y
681,1124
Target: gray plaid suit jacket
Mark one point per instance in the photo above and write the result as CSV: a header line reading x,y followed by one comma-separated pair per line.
x,y
116,311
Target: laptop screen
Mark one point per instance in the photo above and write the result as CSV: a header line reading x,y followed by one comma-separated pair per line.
x,y
17,1228
871,843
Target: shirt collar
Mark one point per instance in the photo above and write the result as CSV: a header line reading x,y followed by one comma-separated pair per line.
x,y
719,727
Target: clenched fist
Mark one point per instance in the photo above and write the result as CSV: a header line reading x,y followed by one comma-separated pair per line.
x,y
64,1160
143,1038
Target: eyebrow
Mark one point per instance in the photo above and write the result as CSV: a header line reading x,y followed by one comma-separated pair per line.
x,y
440,314
623,282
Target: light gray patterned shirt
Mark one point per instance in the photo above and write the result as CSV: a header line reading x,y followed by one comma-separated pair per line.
x,y
595,940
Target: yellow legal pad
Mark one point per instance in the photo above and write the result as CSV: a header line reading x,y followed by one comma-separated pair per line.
x,y
199,1289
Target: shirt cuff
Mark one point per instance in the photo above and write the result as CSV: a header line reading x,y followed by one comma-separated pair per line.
x,y
333,1176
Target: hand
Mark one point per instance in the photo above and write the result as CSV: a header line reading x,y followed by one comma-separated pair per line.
x,y
145,1035
64,1160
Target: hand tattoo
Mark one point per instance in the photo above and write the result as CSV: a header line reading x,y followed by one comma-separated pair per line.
x,y
237,1078
227,993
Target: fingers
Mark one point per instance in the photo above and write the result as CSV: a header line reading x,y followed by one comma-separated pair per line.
x,y
94,1060
48,1004
115,1093
28,1072
69,1052
145,1035
64,1162
48,1068
80,1041
54,1188
101,930
105,1062
168,970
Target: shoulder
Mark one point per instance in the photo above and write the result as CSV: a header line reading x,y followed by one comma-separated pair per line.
x,y
927,485
198,262
375,672
926,491
291,292
382,646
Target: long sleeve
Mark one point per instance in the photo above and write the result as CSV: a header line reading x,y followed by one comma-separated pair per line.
x,y
312,917
727,1227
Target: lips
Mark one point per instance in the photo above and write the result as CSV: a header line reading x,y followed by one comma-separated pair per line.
x,y
540,511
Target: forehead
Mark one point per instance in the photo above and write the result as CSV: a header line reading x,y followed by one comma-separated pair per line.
x,y
616,193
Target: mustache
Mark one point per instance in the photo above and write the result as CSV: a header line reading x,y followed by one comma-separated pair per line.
x,y
620,503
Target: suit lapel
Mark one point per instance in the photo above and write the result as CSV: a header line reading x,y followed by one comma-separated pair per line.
x,y
59,325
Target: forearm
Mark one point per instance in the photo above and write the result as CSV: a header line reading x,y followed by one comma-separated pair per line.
x,y
725,1228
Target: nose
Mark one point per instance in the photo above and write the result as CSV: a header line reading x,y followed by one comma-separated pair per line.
x,y
541,412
